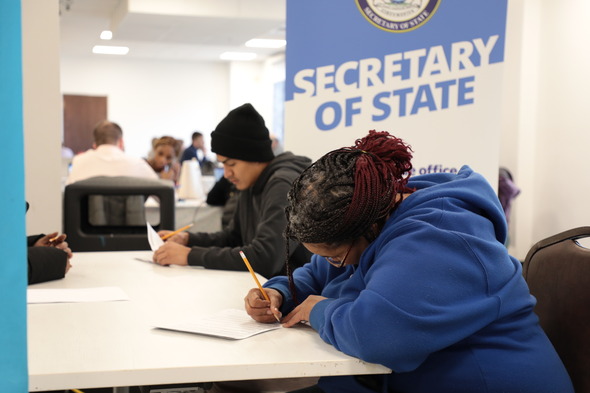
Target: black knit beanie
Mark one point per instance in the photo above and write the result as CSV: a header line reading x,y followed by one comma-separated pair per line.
x,y
242,135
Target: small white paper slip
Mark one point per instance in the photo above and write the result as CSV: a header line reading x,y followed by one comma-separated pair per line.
x,y
153,238
231,324
75,295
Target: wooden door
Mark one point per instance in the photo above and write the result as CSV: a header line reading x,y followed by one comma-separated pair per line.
x,y
81,113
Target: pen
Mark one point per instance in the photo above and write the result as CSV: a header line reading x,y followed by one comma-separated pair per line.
x,y
53,239
256,279
184,228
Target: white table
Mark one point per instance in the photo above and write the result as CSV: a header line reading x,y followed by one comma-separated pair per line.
x,y
86,345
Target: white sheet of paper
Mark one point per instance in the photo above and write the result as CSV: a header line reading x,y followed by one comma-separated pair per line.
x,y
231,323
75,295
153,238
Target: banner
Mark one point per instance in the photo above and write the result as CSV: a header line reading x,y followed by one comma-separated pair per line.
x,y
428,71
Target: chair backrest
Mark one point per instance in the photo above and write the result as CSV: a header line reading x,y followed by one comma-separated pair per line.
x,y
557,270
108,214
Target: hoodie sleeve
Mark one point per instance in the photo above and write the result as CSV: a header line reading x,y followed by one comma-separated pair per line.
x,y
310,279
31,240
46,264
432,288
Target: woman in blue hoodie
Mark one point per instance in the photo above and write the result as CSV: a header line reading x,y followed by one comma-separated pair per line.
x,y
411,274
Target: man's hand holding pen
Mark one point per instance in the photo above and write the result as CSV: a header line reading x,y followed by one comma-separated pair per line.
x,y
263,310
174,251
178,236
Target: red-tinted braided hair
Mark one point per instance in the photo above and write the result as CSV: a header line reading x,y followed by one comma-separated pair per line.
x,y
347,191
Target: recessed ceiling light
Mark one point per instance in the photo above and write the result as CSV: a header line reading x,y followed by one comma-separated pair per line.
x,y
106,35
265,43
110,50
237,56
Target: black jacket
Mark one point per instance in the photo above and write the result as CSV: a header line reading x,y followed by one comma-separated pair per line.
x,y
45,263
257,225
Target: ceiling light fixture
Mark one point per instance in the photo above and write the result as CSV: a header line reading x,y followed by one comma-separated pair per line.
x,y
106,35
266,43
110,50
238,56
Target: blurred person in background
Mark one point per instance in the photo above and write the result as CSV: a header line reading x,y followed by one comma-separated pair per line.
x,y
164,158
107,157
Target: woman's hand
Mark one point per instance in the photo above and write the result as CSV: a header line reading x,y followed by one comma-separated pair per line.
x,y
260,309
301,312
171,172
171,253
180,238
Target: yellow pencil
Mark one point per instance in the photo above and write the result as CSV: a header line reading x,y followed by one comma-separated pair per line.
x,y
256,279
184,228
76,391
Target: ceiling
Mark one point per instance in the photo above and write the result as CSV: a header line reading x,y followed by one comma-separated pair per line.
x,y
191,30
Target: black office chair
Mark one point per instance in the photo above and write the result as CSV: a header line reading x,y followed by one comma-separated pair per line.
x,y
557,270
108,213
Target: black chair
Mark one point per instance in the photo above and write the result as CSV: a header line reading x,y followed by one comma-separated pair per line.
x,y
557,270
108,213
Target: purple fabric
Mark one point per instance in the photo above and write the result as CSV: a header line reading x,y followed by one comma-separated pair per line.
x,y
507,191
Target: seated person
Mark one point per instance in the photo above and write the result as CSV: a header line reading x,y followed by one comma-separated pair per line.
x,y
48,257
164,158
107,157
195,150
242,144
411,274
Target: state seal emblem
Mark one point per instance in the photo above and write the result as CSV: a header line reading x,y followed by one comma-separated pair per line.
x,y
397,16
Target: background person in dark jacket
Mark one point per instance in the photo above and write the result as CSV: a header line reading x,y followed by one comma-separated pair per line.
x,y
243,145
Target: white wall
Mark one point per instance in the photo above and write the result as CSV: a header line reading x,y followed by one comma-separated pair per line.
x,y
562,178
42,110
254,83
152,98
519,116
546,131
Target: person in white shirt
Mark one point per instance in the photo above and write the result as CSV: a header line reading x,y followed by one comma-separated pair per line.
x,y
107,157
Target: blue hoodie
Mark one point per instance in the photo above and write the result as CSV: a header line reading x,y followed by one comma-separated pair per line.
x,y
436,298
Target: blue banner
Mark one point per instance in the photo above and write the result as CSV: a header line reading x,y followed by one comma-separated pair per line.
x,y
429,71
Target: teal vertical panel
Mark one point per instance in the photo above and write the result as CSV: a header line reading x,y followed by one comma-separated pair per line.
x,y
13,265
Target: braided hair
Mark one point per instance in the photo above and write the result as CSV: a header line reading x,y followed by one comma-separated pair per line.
x,y
349,192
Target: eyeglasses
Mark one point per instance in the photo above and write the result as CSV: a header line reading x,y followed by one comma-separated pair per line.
x,y
339,264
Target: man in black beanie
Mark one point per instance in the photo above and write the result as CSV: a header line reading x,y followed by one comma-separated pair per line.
x,y
243,145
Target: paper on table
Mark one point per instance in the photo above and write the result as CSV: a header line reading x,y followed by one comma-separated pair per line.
x,y
75,295
153,238
232,324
